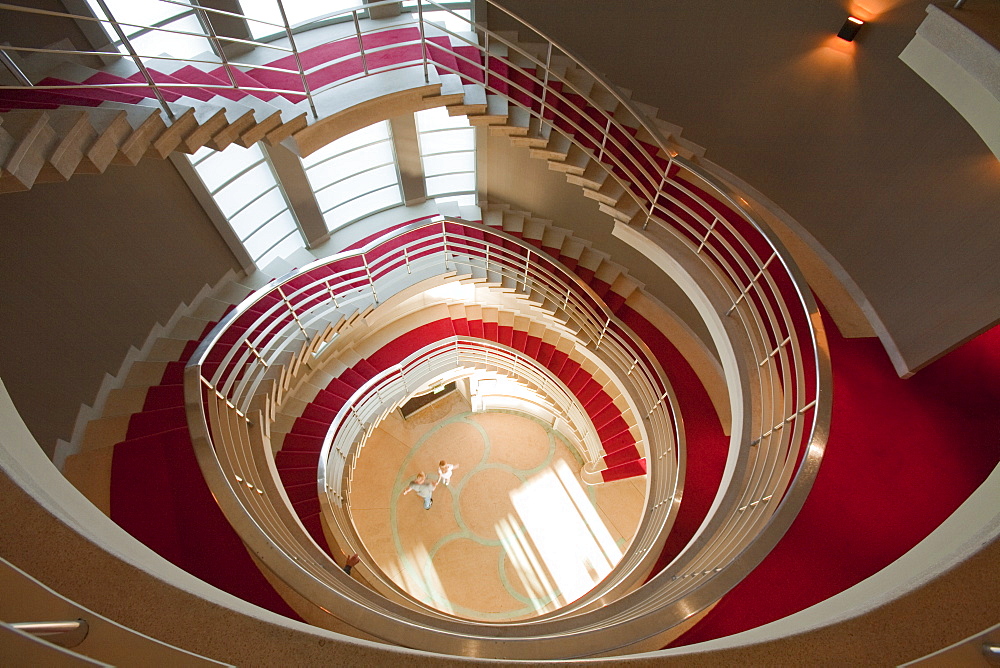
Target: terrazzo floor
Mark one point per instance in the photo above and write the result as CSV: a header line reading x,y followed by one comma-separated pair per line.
x,y
514,535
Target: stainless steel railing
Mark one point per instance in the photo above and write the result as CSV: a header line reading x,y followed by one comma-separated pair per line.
x,y
384,393
784,380
453,357
68,634
291,309
286,312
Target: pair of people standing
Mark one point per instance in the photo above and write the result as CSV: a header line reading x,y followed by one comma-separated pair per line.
x,y
425,489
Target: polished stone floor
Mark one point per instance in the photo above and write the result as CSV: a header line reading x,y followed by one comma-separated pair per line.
x,y
515,534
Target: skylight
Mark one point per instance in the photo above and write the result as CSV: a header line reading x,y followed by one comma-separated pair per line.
x,y
149,23
297,11
446,19
302,11
245,188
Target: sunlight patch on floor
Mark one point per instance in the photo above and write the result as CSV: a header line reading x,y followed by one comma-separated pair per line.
x,y
574,546
421,578
533,577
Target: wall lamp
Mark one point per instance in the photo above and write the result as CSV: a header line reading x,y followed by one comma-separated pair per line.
x,y
850,29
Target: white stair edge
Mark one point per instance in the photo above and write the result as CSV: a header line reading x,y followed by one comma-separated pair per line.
x,y
87,412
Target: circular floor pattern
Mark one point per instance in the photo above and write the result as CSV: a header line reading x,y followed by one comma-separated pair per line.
x,y
514,535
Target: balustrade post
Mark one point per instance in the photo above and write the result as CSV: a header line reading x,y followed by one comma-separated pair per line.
x,y
291,310
486,60
298,59
545,80
656,405
406,259
656,197
527,261
333,295
423,38
444,242
371,279
707,235
604,141
256,354
207,22
600,337
753,281
357,418
135,57
361,44
774,352
12,67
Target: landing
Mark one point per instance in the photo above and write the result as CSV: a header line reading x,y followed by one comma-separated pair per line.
x,y
514,535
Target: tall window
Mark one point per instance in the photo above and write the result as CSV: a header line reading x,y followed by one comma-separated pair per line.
x,y
448,153
245,188
355,176
156,27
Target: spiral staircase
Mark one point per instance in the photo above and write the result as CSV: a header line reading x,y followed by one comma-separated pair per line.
x,y
243,423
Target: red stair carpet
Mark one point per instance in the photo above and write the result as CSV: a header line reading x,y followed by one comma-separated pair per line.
x,y
902,456
159,496
707,445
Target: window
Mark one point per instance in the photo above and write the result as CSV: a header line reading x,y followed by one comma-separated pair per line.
x,y
448,152
447,20
148,22
297,11
245,188
355,176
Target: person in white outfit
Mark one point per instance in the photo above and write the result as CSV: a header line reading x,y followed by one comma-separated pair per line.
x,y
445,470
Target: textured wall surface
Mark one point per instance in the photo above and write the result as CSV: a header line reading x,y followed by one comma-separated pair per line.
x,y
89,266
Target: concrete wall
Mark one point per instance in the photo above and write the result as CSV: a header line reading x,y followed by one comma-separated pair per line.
x,y
45,31
89,266
845,137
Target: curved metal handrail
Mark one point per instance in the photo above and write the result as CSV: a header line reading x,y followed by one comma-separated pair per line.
x,y
490,254
346,437
771,309
285,281
384,392
456,255
565,291
729,266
